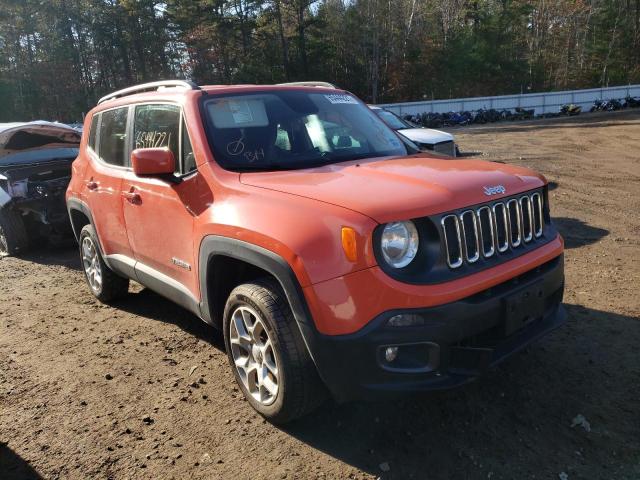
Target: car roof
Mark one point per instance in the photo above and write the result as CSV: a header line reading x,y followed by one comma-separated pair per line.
x,y
173,88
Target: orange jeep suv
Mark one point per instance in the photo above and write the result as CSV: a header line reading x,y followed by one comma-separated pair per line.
x,y
333,255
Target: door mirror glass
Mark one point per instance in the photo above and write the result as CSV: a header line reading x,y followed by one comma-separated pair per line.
x,y
153,162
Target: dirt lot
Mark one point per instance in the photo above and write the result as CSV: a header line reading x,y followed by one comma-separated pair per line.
x,y
89,391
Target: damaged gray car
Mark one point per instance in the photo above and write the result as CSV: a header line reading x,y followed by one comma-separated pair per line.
x,y
35,169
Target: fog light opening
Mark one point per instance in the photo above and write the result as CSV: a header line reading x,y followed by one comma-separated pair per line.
x,y
390,354
419,357
406,320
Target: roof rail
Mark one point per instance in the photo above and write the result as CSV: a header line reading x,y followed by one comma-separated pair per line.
x,y
309,84
145,87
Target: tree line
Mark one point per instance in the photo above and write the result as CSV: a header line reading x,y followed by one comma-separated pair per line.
x,y
60,56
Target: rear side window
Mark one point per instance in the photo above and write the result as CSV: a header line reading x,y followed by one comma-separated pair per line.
x,y
113,136
157,126
93,132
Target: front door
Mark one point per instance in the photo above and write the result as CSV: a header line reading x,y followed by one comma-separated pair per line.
x,y
157,215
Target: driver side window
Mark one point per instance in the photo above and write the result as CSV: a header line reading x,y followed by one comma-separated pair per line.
x,y
162,126
157,126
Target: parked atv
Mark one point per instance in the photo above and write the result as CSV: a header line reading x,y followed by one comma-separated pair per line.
x,y
570,109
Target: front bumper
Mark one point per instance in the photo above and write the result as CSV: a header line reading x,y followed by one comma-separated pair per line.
x,y
456,342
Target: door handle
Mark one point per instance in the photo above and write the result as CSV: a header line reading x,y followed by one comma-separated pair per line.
x,y
91,185
132,197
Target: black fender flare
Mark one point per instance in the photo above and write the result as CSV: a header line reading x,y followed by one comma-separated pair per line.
x,y
214,245
80,206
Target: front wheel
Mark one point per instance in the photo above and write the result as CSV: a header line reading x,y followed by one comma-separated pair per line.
x,y
266,352
104,283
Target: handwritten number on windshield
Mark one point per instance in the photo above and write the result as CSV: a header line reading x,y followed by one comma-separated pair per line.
x,y
257,154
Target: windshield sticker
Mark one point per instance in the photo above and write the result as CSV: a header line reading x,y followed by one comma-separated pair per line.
x,y
335,99
238,113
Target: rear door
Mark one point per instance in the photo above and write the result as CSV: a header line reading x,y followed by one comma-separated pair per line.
x,y
108,151
157,213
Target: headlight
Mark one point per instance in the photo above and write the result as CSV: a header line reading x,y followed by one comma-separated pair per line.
x,y
399,243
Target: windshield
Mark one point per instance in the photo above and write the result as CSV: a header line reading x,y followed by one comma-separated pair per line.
x,y
295,129
392,120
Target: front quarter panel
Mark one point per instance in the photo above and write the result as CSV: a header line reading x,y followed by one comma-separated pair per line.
x,y
305,233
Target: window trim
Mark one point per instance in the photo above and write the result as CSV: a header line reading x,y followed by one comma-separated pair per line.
x,y
95,130
183,123
94,153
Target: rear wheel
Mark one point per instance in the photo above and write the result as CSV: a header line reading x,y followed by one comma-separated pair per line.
x,y
266,352
104,283
13,234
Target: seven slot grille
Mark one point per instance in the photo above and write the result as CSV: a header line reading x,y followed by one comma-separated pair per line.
x,y
492,229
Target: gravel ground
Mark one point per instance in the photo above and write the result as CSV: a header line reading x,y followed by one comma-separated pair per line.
x,y
143,389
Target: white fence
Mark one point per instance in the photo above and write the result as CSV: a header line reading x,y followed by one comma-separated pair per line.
x,y
541,102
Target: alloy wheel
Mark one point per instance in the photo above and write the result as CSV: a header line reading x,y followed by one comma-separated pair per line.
x,y
91,264
253,355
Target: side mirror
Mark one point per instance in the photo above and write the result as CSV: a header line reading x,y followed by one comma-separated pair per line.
x,y
153,162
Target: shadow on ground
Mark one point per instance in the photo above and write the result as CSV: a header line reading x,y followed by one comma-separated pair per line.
x,y
577,233
14,467
535,395
149,304
66,256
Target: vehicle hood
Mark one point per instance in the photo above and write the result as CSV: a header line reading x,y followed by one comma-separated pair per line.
x,y
21,137
399,188
426,135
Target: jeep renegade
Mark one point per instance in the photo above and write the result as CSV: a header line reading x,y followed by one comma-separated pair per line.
x,y
332,254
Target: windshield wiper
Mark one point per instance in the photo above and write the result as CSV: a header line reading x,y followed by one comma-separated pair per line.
x,y
320,161
298,164
260,168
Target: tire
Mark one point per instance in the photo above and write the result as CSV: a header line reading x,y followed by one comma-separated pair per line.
x,y
13,234
299,388
103,282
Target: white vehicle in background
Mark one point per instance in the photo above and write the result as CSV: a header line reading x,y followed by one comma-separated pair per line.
x,y
427,139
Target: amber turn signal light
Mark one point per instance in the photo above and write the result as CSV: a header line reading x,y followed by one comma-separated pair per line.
x,y
349,243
